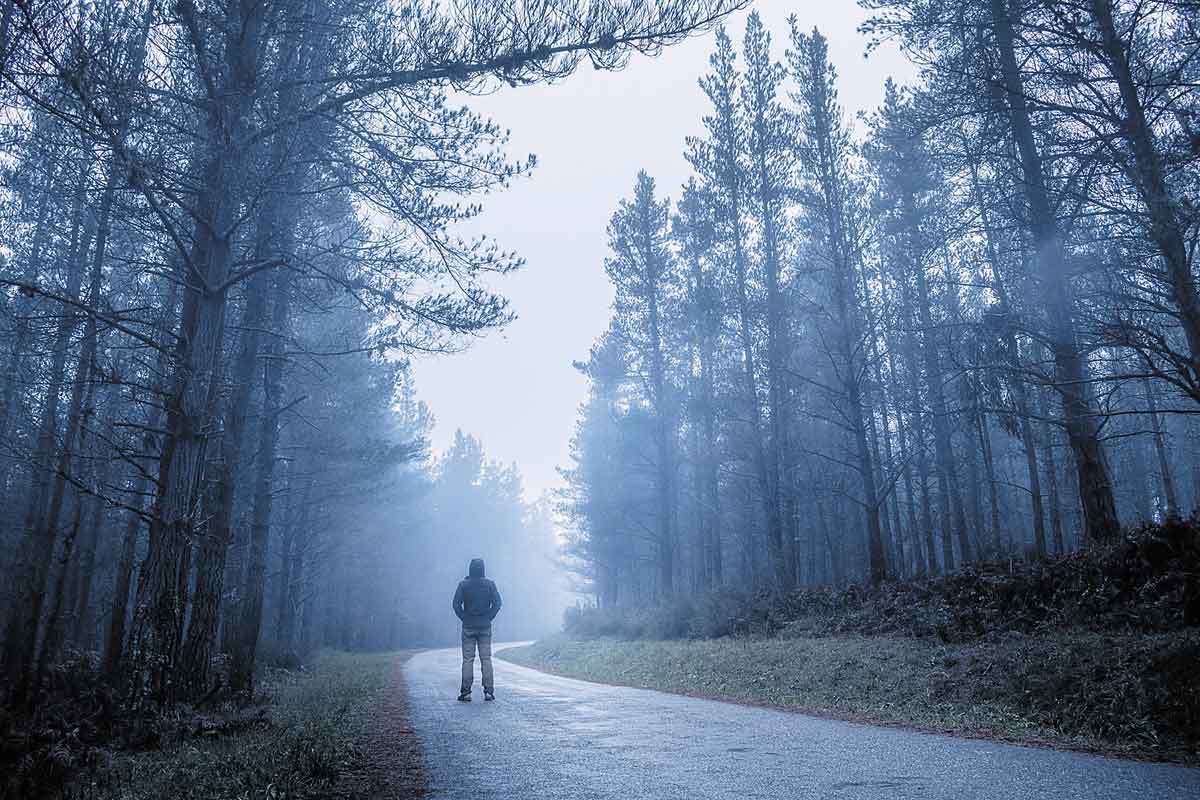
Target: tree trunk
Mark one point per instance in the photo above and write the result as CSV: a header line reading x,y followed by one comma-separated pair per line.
x,y
20,341
295,538
664,444
1052,495
1016,380
918,560
5,26
219,501
83,629
1150,178
891,556
75,440
36,549
949,493
848,335
81,404
989,467
1160,448
250,622
163,582
1095,485
114,645
777,445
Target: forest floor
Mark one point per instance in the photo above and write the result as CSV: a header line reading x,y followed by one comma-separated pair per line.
x,y
338,728
1075,690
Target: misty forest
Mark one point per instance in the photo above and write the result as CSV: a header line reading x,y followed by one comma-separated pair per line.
x,y
894,418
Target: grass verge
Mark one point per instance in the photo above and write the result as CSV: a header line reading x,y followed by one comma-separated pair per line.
x,y
1130,695
315,740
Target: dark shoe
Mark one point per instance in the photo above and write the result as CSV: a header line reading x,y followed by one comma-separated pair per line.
x,y
464,696
489,695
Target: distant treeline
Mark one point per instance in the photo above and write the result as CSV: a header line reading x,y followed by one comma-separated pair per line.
x,y
966,328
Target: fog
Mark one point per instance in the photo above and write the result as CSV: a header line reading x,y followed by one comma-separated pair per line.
x,y
660,307
591,133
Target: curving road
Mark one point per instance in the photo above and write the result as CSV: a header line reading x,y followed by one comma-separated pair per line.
x,y
558,739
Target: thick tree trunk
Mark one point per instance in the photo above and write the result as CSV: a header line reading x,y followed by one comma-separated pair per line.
x,y
162,594
219,500
1095,485
162,591
1150,178
114,642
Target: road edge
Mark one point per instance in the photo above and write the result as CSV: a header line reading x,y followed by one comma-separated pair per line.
x,y
1036,743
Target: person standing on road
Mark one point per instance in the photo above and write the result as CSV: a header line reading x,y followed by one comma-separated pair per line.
x,y
476,603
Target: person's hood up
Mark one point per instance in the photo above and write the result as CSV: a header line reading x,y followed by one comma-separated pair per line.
x,y
476,570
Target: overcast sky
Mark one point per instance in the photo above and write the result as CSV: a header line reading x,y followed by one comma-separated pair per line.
x,y
516,390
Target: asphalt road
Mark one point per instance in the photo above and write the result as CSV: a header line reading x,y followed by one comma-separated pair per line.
x,y
550,738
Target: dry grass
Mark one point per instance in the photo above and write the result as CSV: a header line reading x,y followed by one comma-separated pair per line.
x,y
315,743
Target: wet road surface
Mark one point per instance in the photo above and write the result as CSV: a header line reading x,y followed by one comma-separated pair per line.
x,y
554,738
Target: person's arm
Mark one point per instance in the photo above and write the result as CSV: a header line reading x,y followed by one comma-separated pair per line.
x,y
458,602
495,603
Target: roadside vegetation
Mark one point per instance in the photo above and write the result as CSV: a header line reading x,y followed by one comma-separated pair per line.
x,y
308,734
1096,650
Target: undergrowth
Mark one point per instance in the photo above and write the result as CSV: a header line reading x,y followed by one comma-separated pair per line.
x,y
1148,582
298,740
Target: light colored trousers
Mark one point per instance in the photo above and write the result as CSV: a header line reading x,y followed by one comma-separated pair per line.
x,y
483,640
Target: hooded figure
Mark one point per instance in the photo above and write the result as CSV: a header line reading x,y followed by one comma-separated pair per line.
x,y
476,603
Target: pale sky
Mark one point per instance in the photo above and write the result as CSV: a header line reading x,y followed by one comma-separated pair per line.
x,y
516,390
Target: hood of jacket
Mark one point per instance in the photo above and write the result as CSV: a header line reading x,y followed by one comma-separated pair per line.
x,y
476,568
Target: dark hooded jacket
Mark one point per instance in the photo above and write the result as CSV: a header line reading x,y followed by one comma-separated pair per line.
x,y
477,600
